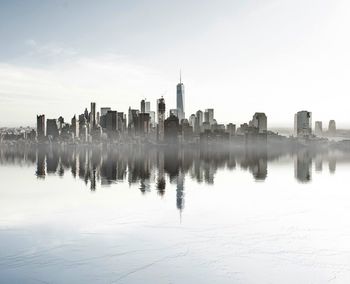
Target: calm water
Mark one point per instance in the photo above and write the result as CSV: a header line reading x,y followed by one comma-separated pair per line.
x,y
147,216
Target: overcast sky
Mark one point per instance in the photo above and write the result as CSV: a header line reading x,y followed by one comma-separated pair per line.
x,y
237,57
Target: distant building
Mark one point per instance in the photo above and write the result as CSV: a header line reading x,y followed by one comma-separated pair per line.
x,y
318,128
111,120
332,129
104,110
133,121
98,118
40,126
86,115
147,107
231,129
83,130
187,130
60,122
152,115
209,116
144,123
75,127
260,122
143,106
161,118
206,126
121,123
51,128
174,111
199,115
93,115
302,124
180,98
192,120
171,129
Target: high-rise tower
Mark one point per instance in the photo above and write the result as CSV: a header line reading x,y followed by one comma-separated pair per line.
x,y
40,126
93,115
302,124
180,99
161,118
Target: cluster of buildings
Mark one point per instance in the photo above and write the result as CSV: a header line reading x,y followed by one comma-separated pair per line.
x,y
303,126
144,125
160,126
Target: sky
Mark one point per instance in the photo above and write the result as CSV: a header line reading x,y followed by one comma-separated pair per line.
x,y
236,56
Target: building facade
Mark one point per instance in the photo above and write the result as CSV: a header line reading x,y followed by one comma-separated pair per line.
x,y
303,124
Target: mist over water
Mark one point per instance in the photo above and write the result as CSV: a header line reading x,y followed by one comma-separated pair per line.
x,y
174,215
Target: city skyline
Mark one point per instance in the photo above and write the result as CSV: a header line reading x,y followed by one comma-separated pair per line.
x,y
187,141
227,51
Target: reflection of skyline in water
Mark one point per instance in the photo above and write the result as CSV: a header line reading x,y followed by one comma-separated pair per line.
x,y
152,167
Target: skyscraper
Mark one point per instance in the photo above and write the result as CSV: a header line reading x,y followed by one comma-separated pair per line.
x,y
51,128
147,107
318,128
161,118
260,121
192,120
75,126
231,129
143,106
180,98
302,124
209,116
40,126
111,122
332,129
199,115
93,115
171,129
104,110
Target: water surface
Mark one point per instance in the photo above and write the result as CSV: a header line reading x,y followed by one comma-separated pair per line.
x,y
174,216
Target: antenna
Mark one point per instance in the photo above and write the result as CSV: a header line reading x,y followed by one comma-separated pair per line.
x,y
180,76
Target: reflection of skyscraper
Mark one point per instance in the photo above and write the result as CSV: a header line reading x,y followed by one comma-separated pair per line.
x,y
180,97
52,160
332,164
302,167
40,164
180,194
318,164
108,171
160,177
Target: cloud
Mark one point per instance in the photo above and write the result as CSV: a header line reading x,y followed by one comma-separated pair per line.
x,y
49,50
67,87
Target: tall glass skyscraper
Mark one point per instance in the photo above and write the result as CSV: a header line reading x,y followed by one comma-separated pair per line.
x,y
180,99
